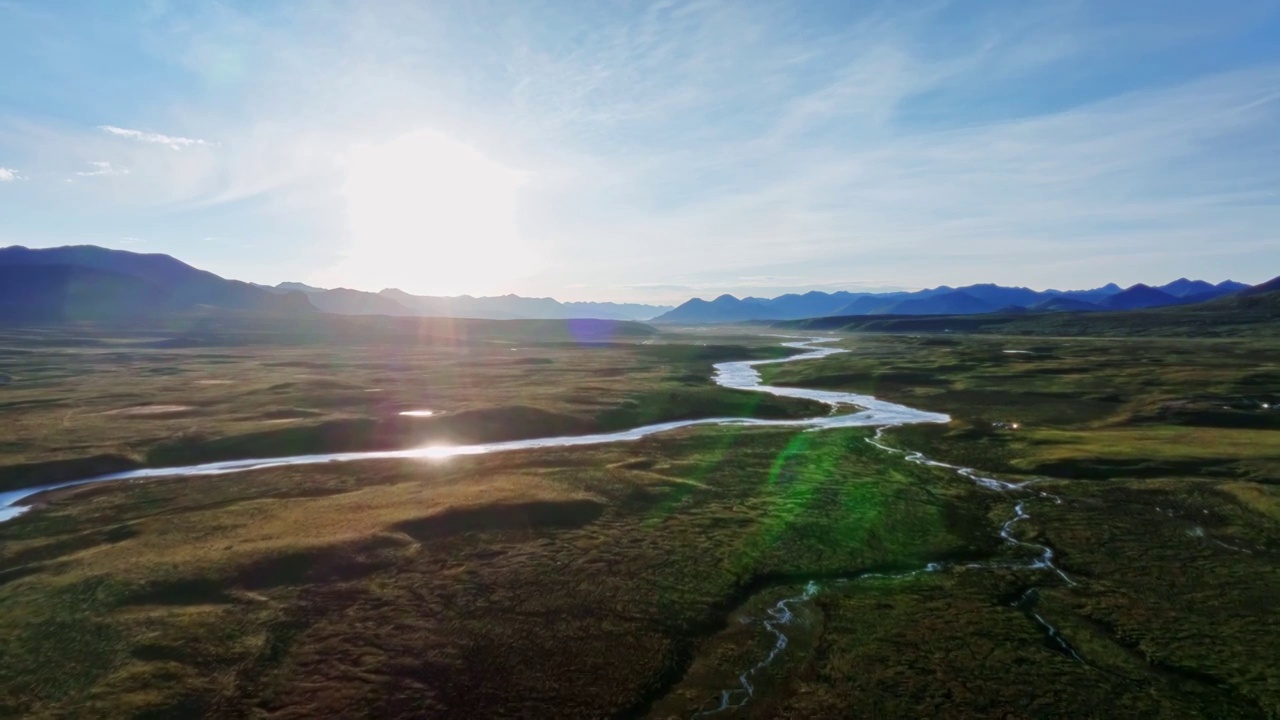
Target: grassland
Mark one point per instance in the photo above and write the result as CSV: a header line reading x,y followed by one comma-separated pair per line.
x,y
630,580
557,584
1167,456
1252,314
77,404
1085,407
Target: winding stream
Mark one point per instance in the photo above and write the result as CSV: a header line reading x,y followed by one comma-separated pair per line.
x,y
740,375
867,411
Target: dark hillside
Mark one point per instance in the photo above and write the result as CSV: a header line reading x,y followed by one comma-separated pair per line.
x,y
88,282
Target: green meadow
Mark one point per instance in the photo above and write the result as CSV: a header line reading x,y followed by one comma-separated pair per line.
x,y
632,579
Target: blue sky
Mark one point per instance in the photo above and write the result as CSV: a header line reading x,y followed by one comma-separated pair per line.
x,y
650,151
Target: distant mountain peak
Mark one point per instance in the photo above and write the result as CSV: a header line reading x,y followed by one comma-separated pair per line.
x,y
301,287
941,300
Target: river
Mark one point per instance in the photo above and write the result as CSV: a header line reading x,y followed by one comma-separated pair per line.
x,y
863,411
741,375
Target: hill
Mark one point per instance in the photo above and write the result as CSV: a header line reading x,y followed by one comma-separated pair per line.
x,y
1064,304
57,292
325,329
1231,286
810,304
612,311
867,305
996,296
1201,290
342,301
1139,296
725,308
952,303
89,282
1096,295
1268,288
1182,287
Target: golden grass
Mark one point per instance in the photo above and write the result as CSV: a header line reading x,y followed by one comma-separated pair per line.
x,y
629,579
231,535
554,582
1264,499
105,409
1173,443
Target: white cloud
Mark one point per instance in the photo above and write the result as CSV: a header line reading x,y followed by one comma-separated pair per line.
x,y
173,141
1169,175
742,143
9,174
102,167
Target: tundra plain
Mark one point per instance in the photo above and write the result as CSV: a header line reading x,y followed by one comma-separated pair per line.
x,y
633,579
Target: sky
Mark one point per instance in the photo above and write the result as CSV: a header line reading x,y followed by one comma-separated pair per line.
x,y
650,151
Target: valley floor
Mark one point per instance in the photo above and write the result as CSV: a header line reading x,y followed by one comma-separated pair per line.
x,y
636,579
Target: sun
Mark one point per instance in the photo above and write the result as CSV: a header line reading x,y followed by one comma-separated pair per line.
x,y
432,215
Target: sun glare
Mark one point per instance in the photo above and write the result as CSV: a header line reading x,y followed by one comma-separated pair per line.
x,y
429,214
440,452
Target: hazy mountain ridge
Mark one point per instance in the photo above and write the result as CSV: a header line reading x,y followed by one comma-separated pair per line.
x,y
392,301
946,300
90,282
1139,296
86,282
1250,312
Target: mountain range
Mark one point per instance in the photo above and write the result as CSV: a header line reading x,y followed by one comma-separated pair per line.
x,y
945,300
343,301
86,282
1251,312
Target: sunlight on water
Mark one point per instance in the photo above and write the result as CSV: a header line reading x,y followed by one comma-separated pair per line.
x,y
867,412
439,452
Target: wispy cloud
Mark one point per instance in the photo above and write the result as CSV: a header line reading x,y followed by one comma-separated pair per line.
x,y
102,167
885,154
173,141
745,147
9,174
